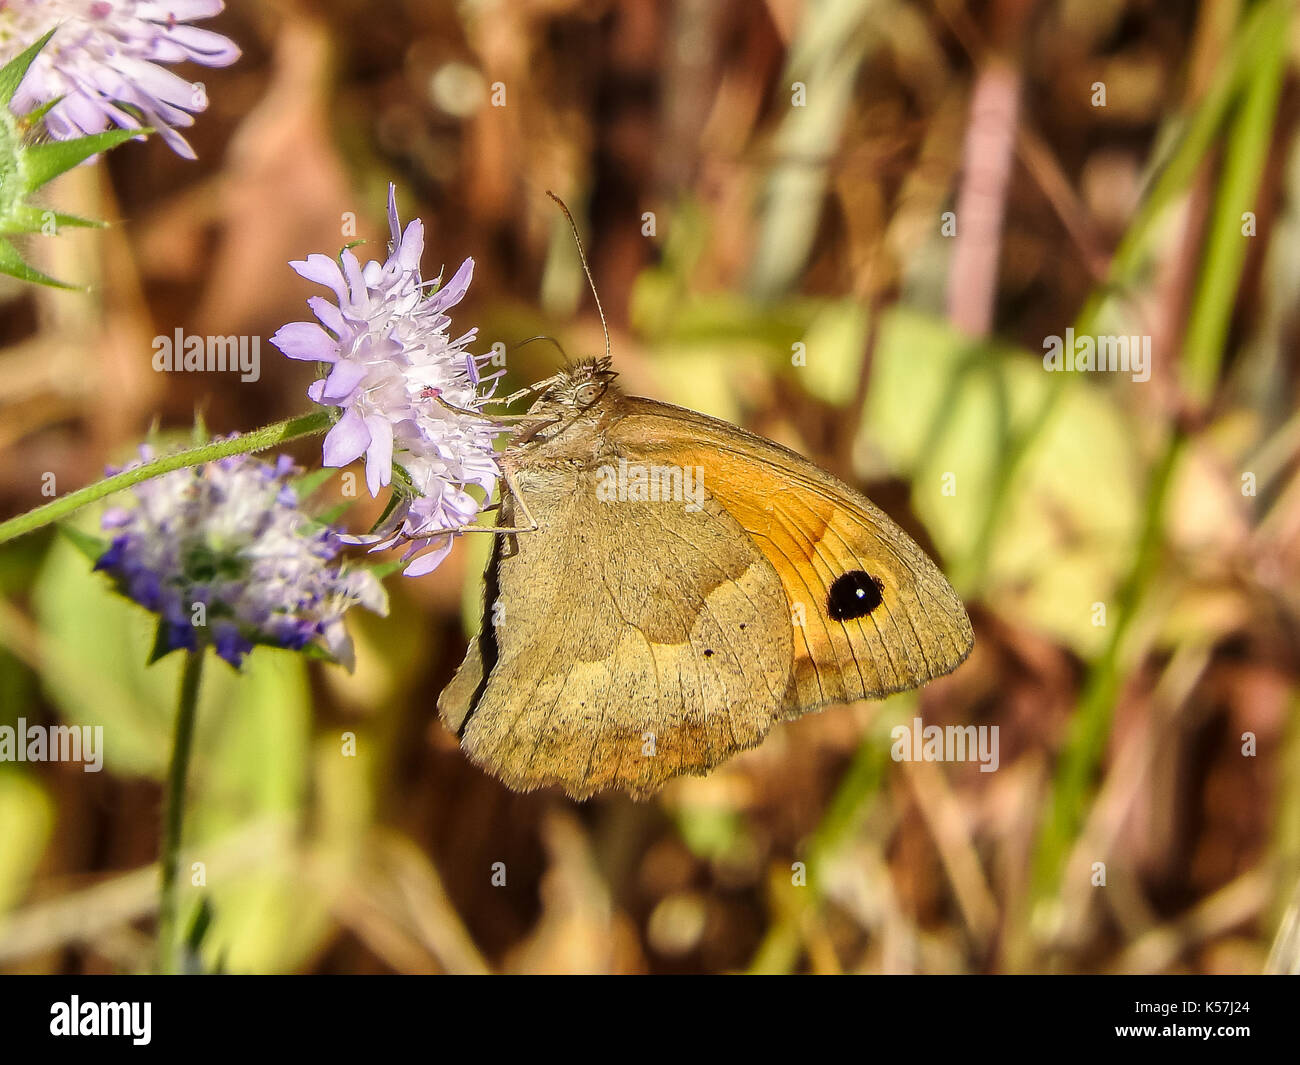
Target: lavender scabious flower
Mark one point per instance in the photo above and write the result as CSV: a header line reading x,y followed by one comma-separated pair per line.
x,y
103,63
229,535
396,375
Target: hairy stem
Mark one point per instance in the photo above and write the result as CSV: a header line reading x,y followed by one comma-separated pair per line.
x,y
169,944
257,440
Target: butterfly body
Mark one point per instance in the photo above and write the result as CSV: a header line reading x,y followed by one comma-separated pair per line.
x,y
687,585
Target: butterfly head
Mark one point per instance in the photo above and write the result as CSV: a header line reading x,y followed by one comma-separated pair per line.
x,y
569,408
576,389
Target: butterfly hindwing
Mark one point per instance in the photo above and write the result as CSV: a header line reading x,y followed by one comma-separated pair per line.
x,y
623,644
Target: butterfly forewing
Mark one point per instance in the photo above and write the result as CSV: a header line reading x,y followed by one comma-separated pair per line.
x,y
870,613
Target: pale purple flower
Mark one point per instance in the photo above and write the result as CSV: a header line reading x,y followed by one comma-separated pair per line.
x,y
230,535
394,372
105,60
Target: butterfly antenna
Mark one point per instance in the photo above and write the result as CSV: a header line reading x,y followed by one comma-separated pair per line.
x,y
558,346
582,256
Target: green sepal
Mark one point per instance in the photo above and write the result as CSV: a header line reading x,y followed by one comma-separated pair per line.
x,y
13,264
93,547
37,113
26,218
159,650
13,72
403,489
44,162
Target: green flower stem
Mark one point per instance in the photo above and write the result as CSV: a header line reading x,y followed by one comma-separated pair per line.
x,y
258,440
170,948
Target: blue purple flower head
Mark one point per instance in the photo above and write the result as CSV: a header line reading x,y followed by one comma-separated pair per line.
x,y
410,395
230,535
103,65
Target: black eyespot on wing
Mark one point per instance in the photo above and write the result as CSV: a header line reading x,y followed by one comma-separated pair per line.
x,y
853,595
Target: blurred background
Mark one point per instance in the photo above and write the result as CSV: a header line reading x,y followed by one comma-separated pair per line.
x,y
848,225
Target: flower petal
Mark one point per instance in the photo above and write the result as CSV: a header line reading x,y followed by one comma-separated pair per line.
x,y
342,382
454,290
430,560
411,246
328,315
324,271
306,341
379,455
347,441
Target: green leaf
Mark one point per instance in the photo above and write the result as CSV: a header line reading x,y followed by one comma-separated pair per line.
x,y
1245,159
26,166
199,925
332,515
309,483
383,570
43,162
28,816
941,411
13,72
251,765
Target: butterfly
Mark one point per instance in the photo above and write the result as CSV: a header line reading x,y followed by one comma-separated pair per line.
x,y
667,586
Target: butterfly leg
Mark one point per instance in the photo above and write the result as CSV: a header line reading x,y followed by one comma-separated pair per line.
x,y
531,390
532,526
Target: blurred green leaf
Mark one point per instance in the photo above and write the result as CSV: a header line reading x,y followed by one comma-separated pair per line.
x,y
92,547
833,42
28,817
251,763
940,412
836,346
1245,159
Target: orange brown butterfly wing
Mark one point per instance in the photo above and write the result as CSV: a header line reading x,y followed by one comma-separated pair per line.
x,y
877,614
